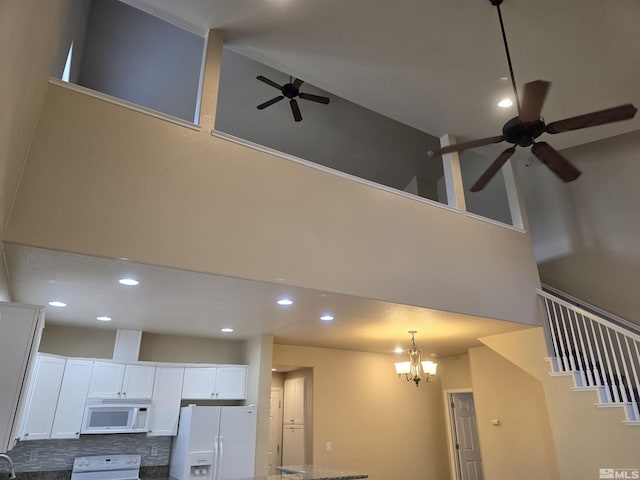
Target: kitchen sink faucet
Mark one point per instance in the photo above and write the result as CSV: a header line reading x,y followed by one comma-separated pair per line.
x,y
12,474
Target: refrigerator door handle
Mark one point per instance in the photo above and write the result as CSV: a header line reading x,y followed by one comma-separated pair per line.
x,y
220,457
216,460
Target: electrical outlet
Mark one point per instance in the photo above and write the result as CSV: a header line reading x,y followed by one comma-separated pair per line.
x,y
33,456
154,451
327,446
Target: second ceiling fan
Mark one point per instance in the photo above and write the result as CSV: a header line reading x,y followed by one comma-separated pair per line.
x,y
290,90
524,129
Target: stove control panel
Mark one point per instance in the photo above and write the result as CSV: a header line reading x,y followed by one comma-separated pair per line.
x,y
101,463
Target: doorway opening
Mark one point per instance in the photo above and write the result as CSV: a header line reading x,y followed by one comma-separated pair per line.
x,y
462,429
291,417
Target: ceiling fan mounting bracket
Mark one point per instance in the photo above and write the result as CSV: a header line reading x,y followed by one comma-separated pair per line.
x,y
522,133
495,3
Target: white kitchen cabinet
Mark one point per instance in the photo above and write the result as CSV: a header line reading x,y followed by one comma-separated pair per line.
x,y
165,402
293,411
42,397
231,383
116,380
72,398
293,446
199,383
20,332
215,383
138,381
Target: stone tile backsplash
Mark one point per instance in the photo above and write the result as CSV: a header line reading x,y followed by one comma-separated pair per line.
x,y
56,455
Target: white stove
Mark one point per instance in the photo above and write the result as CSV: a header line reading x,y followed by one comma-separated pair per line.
x,y
106,467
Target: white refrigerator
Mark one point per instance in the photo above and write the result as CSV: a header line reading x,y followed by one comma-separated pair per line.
x,y
214,443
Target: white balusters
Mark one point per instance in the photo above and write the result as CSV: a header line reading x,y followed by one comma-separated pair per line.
x,y
601,353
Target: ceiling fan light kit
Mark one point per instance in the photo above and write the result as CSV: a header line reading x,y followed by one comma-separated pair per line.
x,y
290,90
524,129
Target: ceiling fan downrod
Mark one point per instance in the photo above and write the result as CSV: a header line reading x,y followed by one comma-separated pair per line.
x,y
497,3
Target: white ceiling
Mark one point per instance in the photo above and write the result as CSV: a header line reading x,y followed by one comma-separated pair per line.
x,y
178,302
437,64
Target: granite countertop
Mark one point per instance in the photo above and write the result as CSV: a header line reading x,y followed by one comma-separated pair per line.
x,y
314,472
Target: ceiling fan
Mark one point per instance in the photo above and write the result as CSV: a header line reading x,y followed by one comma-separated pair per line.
x,y
524,129
290,90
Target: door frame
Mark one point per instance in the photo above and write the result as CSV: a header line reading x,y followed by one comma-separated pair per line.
x,y
453,460
280,391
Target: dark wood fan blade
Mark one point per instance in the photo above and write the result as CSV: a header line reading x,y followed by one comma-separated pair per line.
x,y
490,172
297,82
297,116
314,98
270,102
269,82
535,94
556,162
458,147
615,114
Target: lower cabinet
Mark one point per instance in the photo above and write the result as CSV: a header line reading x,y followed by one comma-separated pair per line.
x,y
42,396
293,445
165,402
73,394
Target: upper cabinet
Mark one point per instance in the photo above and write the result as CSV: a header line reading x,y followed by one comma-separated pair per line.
x,y
115,380
293,411
165,403
71,400
42,396
59,388
215,383
20,331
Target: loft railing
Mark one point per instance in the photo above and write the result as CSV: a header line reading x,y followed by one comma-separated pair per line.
x,y
601,355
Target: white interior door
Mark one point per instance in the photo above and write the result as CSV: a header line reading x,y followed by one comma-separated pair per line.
x,y
465,433
275,430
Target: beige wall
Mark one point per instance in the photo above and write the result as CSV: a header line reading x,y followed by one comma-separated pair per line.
x,y
77,342
99,343
35,37
172,348
375,423
602,263
585,437
454,372
522,445
197,202
258,355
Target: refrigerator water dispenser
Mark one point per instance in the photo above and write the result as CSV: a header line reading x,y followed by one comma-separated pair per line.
x,y
200,466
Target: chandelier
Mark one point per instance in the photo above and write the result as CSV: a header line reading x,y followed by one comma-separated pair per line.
x,y
415,370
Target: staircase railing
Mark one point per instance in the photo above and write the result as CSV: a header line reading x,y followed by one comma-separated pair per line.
x,y
601,355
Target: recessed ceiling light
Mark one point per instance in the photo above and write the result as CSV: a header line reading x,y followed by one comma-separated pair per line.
x,y
285,301
505,103
104,319
226,330
56,303
128,281
327,317
399,350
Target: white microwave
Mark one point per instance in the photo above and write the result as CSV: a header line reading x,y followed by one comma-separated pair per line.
x,y
115,416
